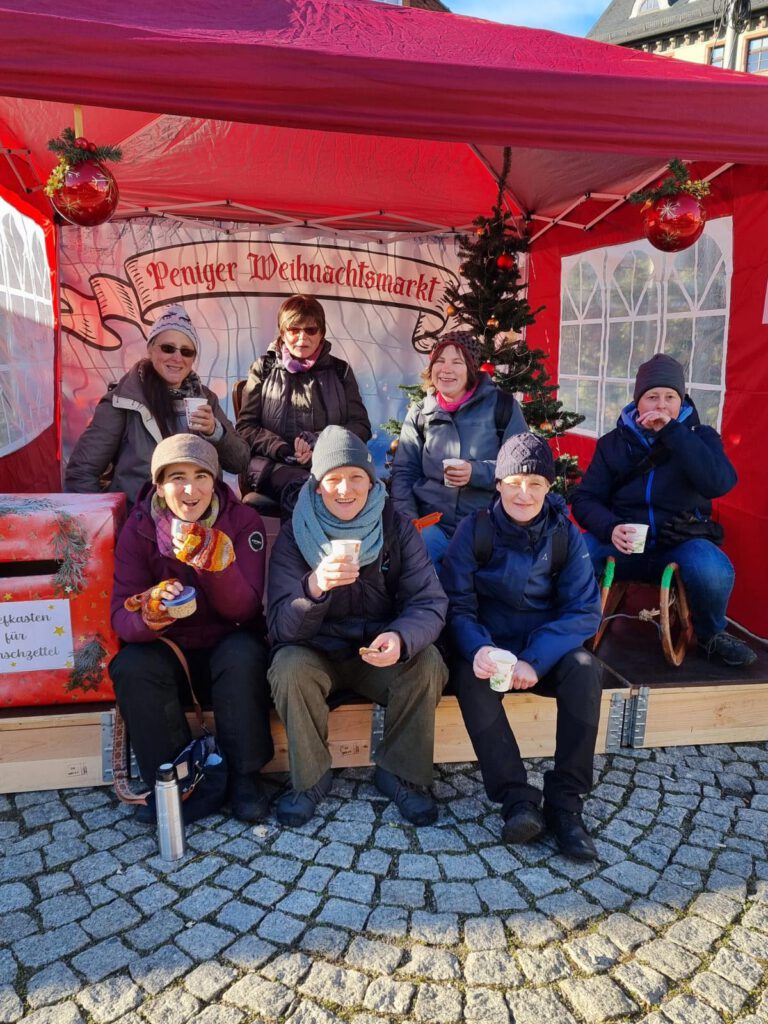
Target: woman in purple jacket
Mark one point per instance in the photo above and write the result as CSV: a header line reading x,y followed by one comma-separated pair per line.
x,y
190,531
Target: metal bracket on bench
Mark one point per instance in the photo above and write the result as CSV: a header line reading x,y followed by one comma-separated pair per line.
x,y
107,734
627,718
377,727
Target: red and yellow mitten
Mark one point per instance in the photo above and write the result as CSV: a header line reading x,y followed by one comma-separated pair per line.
x,y
150,604
204,547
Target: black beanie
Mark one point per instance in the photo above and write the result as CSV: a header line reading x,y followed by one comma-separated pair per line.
x,y
525,453
336,447
660,372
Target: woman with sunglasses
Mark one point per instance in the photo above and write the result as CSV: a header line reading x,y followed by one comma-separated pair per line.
x,y
147,404
292,393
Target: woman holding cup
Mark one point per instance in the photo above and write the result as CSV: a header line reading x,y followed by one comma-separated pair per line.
x,y
449,441
161,395
658,465
519,612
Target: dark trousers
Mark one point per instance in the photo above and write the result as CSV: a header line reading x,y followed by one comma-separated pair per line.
x,y
152,690
574,682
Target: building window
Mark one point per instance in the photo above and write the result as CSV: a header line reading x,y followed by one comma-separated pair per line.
x,y
644,6
716,56
622,304
757,55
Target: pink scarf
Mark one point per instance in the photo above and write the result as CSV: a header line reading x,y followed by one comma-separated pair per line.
x,y
449,406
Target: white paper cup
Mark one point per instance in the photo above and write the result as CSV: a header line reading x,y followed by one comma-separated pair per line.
x,y
190,405
638,540
346,549
446,464
505,663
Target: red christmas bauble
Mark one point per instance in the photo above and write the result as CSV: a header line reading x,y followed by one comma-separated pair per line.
x,y
505,261
89,195
81,142
488,368
673,223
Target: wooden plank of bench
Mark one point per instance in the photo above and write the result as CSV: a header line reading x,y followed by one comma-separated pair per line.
x,y
679,716
56,751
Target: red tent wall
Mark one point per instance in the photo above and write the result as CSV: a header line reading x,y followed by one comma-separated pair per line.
x,y
743,194
35,468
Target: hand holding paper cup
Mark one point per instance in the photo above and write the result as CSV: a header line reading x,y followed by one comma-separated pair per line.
x,y
448,464
505,663
190,406
639,537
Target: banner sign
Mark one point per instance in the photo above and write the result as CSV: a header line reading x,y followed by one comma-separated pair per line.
x,y
384,304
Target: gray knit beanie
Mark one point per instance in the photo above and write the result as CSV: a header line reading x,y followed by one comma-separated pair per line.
x,y
336,447
464,340
525,453
174,318
660,372
184,448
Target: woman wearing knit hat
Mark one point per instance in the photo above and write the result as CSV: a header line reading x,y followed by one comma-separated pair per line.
x,y
354,603
657,463
190,544
291,394
146,405
464,418
521,588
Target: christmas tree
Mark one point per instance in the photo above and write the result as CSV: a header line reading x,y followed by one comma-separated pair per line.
x,y
491,301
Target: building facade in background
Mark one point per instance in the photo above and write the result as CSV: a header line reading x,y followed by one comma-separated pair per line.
x,y
690,30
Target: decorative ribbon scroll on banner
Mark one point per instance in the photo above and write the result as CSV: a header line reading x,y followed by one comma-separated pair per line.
x,y
212,269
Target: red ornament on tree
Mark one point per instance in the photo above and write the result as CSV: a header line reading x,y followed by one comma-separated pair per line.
x,y
488,368
673,223
88,196
505,261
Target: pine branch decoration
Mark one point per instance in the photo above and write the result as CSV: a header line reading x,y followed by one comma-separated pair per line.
x,y
70,546
88,671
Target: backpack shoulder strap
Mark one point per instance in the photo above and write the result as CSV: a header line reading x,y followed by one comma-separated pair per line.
x,y
559,550
505,405
390,555
483,537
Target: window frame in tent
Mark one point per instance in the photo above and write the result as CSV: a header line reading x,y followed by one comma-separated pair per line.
x,y
614,309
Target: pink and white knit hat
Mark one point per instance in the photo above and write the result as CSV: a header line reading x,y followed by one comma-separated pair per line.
x,y
174,318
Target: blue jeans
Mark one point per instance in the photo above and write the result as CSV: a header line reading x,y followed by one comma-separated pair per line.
x,y
437,541
705,570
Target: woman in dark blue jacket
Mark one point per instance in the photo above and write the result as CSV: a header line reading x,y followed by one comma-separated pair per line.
x,y
658,462
531,593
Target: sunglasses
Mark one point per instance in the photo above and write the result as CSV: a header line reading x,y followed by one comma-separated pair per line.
x,y
188,353
310,332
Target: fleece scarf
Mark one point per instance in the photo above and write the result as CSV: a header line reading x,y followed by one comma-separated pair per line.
x,y
314,527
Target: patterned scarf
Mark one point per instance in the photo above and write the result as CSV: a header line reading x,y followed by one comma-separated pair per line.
x,y
163,519
190,387
314,527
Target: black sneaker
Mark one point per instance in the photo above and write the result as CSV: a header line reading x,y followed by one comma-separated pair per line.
x,y
569,832
726,648
296,808
414,803
247,798
523,824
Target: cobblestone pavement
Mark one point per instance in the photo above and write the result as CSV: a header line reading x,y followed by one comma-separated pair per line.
x,y
359,917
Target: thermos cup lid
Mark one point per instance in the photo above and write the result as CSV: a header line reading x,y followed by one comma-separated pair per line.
x,y
166,773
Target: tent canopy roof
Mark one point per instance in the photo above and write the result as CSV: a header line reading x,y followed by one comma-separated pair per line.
x,y
314,109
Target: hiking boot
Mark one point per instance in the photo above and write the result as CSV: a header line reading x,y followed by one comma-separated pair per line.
x,y
145,814
523,824
569,832
296,808
414,802
247,797
726,648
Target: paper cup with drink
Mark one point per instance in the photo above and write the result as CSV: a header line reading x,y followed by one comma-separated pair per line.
x,y
346,549
638,538
505,662
192,405
448,464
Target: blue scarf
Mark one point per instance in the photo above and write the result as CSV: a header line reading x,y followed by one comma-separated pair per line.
x,y
314,527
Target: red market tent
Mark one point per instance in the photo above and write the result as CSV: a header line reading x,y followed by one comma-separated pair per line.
x,y
361,115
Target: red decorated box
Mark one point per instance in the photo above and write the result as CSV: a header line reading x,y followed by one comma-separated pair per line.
x,y
56,569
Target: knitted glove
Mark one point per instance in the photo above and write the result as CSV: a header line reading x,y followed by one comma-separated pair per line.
x,y
150,605
204,547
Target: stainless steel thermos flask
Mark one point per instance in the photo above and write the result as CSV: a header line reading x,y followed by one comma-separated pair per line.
x,y
170,824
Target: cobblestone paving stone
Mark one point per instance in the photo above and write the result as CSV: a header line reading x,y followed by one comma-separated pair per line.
x,y
359,918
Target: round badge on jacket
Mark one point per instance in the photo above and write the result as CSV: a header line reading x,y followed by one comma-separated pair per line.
x,y
256,541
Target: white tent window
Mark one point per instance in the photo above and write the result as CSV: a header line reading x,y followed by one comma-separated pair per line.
x,y
26,331
621,304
